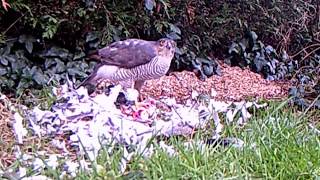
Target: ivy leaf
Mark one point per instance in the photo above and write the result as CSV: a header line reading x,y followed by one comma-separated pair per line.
x,y
173,36
29,46
269,50
293,91
6,82
7,49
28,41
26,72
234,48
258,46
23,84
3,71
208,70
60,66
79,55
252,38
83,65
74,71
90,4
174,28
17,66
11,58
38,76
92,36
149,4
57,52
301,103
4,61
49,62
243,46
258,63
94,45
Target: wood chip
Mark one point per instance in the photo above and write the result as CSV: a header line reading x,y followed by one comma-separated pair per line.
x,y
235,84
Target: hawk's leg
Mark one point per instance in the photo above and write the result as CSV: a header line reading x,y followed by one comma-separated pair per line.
x,y
138,85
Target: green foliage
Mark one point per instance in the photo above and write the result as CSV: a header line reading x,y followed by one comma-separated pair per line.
x,y
275,140
261,58
264,59
50,26
204,31
23,67
207,25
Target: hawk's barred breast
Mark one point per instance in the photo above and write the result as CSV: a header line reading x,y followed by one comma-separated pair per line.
x,y
156,68
134,60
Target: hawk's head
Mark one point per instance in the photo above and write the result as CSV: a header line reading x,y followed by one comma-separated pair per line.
x,y
166,47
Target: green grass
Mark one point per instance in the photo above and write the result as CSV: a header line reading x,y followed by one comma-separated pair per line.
x,y
278,145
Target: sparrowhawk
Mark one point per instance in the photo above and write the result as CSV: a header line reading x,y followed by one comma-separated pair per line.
x,y
132,60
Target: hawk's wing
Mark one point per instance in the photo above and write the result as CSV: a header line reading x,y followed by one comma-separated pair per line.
x,y
128,53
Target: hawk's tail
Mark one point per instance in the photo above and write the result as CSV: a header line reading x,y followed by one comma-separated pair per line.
x,y
94,55
89,80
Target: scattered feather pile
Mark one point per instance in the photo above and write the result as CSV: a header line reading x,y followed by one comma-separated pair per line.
x,y
84,124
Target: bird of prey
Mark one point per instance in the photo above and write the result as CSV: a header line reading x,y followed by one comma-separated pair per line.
x,y
132,60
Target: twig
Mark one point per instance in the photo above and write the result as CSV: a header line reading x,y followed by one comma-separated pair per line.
x,y
300,69
305,112
5,5
4,32
317,131
310,53
304,49
174,109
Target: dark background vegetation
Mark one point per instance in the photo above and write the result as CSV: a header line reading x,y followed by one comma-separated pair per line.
x,y
43,41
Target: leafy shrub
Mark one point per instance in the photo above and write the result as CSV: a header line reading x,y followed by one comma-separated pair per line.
x,y
24,64
261,58
264,59
204,31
